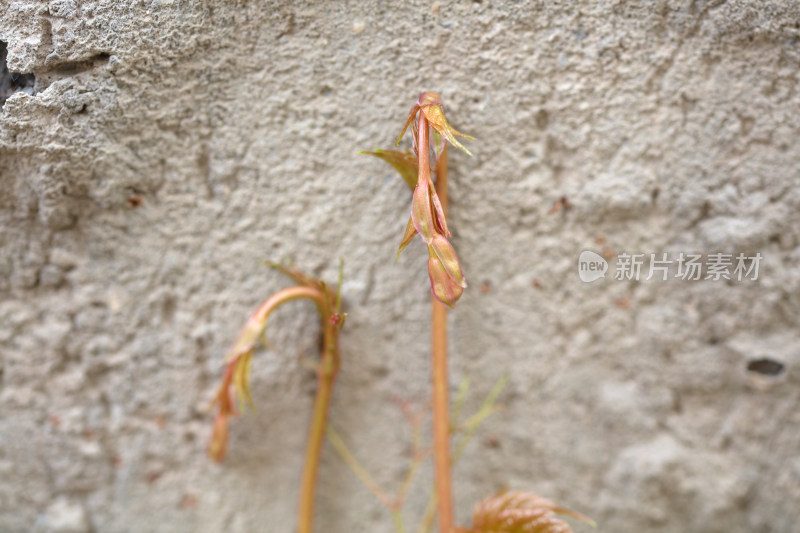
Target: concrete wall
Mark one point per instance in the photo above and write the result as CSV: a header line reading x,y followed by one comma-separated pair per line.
x,y
170,146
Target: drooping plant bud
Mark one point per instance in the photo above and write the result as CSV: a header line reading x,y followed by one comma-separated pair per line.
x,y
236,380
219,438
447,256
427,213
443,287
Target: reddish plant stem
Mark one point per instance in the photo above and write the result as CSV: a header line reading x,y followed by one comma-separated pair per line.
x,y
326,375
283,296
441,418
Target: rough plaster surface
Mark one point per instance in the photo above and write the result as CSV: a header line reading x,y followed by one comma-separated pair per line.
x,y
170,146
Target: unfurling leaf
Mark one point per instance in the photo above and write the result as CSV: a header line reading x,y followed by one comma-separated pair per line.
x,y
219,438
219,434
241,380
438,211
408,236
430,103
520,512
411,116
421,212
404,162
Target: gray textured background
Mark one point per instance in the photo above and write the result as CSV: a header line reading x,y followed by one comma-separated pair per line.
x,y
669,126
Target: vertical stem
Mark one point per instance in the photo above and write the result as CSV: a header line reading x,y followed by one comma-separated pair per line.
x,y
441,424
326,374
423,155
441,418
441,178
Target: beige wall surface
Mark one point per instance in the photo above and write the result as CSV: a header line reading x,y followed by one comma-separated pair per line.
x,y
166,148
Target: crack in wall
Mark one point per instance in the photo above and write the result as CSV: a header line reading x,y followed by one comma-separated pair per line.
x,y
65,69
11,82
